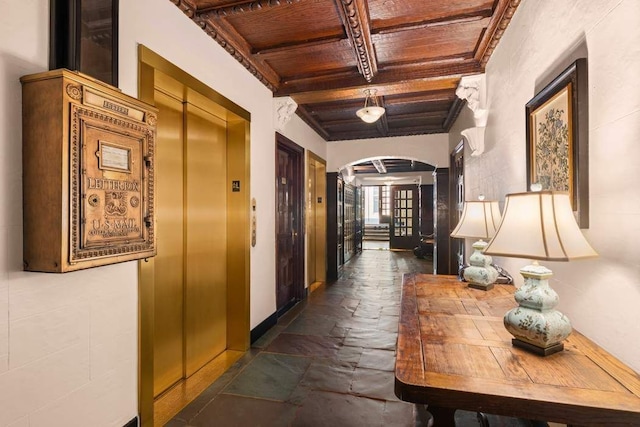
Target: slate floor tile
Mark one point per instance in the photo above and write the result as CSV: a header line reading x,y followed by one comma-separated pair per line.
x,y
371,338
329,375
374,384
305,345
238,411
270,376
327,362
323,409
399,414
349,354
382,360
388,323
318,325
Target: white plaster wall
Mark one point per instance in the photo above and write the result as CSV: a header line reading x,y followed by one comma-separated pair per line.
x,y
431,149
68,343
600,296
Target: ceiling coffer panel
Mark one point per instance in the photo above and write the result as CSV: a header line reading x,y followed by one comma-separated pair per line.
x,y
312,60
452,42
281,26
386,14
325,53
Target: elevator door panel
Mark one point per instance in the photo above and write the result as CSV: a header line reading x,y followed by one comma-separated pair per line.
x,y
205,269
311,218
168,264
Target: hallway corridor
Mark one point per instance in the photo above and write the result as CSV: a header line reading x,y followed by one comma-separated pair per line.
x,y
328,362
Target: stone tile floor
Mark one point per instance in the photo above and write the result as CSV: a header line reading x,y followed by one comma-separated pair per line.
x,y
328,362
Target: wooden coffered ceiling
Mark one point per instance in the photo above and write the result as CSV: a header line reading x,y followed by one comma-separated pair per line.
x,y
324,53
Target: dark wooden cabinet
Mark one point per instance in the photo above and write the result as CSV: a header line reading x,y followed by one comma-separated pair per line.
x,y
344,223
426,209
441,226
359,225
335,256
349,221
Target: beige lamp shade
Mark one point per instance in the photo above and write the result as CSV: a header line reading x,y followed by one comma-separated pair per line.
x,y
539,225
479,220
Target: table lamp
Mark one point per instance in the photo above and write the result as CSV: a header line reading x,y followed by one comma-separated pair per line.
x,y
479,220
540,226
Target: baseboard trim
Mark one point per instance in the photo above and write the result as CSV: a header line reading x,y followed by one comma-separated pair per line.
x,y
132,423
263,327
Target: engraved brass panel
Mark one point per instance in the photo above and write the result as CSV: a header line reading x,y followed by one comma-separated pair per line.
x,y
111,191
88,173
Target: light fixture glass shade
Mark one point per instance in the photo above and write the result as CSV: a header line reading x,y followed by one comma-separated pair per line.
x,y
539,225
479,219
370,114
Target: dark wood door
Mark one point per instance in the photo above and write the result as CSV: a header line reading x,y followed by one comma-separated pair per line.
x,y
289,232
403,230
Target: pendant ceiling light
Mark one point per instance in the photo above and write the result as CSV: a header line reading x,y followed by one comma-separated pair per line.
x,y
370,113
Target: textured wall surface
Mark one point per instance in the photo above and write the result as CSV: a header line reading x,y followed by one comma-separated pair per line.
x,y
600,296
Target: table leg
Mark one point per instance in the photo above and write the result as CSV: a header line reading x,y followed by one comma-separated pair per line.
x,y
442,417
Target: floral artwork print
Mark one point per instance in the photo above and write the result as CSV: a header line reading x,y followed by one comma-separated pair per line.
x,y
552,159
557,136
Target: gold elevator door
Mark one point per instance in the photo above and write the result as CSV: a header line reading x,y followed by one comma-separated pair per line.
x,y
190,276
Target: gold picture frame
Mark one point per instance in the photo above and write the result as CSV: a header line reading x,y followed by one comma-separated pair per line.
x,y
557,138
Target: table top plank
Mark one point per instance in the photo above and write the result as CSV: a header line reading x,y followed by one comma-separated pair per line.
x,y
511,366
454,352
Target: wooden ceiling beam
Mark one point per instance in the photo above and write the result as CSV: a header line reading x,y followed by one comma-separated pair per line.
x,y
454,111
387,83
422,115
447,20
244,7
302,112
382,124
356,22
284,48
412,98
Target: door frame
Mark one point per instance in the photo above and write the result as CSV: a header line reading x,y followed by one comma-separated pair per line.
x,y
284,143
238,219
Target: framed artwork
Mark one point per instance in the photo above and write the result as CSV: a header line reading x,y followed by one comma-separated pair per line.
x,y
557,138
84,37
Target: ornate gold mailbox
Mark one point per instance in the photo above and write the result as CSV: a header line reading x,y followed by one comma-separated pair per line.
x,y
88,173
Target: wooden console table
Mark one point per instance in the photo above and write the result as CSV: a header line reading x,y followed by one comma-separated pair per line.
x,y
454,353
